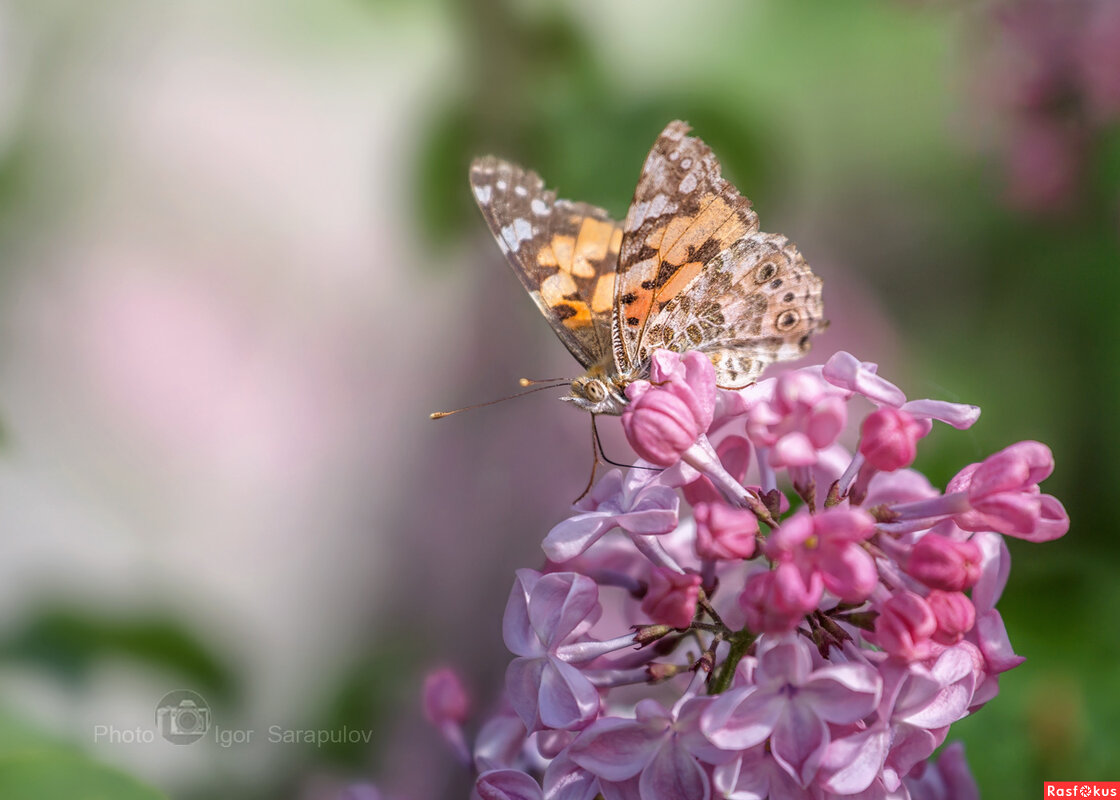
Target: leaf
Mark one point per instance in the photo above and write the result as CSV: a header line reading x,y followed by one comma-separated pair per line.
x,y
69,642
60,775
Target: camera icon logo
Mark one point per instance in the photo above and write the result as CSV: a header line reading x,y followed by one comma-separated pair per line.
x,y
183,717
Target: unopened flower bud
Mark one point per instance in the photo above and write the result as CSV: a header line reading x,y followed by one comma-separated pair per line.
x,y
889,438
955,616
943,563
672,597
905,625
444,697
724,532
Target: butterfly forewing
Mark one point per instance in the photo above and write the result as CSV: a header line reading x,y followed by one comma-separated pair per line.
x,y
684,213
565,253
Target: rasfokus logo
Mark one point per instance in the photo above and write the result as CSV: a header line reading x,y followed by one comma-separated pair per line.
x,y
1081,789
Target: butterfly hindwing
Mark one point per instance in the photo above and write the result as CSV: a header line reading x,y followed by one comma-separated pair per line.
x,y
755,303
683,214
565,253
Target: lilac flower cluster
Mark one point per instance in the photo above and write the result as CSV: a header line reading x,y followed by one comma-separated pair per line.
x,y
693,635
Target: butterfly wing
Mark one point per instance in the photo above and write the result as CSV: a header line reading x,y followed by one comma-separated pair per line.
x,y
755,303
565,253
695,273
684,214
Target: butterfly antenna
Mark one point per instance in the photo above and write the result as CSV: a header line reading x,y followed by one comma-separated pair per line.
x,y
535,381
442,414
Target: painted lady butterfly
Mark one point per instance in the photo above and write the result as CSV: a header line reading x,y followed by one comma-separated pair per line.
x,y
688,270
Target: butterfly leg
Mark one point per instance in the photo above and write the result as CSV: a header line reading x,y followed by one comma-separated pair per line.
x,y
596,450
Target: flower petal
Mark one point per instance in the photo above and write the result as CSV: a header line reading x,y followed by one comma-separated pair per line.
x,y
852,763
523,682
567,699
741,718
799,741
507,784
842,694
617,749
561,603
566,780
673,774
517,631
574,535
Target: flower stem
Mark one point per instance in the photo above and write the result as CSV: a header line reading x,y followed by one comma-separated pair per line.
x,y
740,643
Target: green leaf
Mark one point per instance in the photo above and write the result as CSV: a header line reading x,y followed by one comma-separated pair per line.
x,y
69,642
59,775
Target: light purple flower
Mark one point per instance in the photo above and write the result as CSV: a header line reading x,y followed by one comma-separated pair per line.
x,y
947,778
852,647
756,775
543,614
854,761
920,703
635,502
845,371
506,784
791,704
662,748
564,779
501,743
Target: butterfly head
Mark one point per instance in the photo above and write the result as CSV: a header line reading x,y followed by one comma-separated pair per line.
x,y
597,394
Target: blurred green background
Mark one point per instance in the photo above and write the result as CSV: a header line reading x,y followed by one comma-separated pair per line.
x,y
239,264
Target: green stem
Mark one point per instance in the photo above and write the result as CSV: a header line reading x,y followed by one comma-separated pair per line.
x,y
740,643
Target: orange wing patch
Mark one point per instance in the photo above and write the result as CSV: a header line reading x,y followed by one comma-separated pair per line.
x,y
580,256
683,215
564,253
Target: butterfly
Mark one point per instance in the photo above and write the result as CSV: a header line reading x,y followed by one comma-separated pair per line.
x,y
688,269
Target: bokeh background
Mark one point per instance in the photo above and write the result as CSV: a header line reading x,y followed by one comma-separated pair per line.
x,y
239,264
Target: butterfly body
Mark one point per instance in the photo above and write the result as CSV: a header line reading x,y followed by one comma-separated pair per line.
x,y
600,390
688,269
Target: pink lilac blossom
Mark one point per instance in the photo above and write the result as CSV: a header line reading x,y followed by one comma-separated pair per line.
x,y
769,615
446,706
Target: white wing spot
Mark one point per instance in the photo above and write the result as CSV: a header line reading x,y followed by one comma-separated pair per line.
x,y
540,208
501,186
482,194
520,191
688,183
516,233
648,209
673,156
686,164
